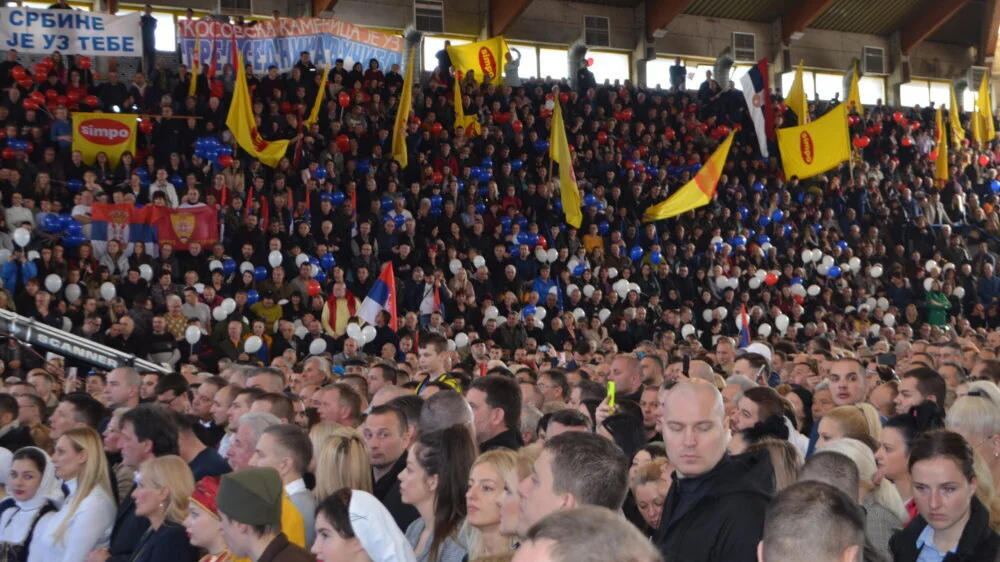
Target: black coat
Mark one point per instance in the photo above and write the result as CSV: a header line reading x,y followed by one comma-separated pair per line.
x,y
718,516
979,543
16,438
509,439
127,531
169,543
386,489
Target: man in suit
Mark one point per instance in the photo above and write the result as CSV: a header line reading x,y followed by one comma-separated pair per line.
x,y
147,432
287,449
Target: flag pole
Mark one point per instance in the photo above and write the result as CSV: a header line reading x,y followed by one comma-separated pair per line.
x,y
555,99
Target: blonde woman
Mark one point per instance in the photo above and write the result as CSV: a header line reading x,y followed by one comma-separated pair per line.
x,y
162,497
976,417
318,435
486,483
649,489
785,459
856,422
510,503
343,463
84,521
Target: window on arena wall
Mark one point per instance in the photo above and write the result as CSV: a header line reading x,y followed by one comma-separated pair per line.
x,y
915,92
808,83
871,89
529,60
609,66
940,93
552,63
166,29
829,85
433,44
658,73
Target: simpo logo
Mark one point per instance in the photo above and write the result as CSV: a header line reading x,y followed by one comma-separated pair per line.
x,y
105,132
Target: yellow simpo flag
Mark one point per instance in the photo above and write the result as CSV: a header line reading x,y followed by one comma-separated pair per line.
x,y
984,111
110,133
796,98
817,147
941,164
697,192
195,64
470,124
399,150
559,153
244,127
314,112
484,59
955,120
854,96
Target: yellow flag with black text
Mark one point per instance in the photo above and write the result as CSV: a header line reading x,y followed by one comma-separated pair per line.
x,y
485,59
697,192
400,152
243,125
559,153
816,147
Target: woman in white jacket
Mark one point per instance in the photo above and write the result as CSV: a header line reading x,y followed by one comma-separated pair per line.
x,y
84,521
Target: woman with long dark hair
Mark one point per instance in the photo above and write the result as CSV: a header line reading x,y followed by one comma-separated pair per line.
x,y
896,440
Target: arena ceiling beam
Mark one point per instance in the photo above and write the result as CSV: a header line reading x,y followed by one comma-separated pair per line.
x,y
503,14
926,22
988,35
795,22
659,14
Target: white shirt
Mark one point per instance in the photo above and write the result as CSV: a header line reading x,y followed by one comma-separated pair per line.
x,y
89,528
225,443
295,487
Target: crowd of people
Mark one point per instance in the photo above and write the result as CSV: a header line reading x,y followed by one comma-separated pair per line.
x,y
804,368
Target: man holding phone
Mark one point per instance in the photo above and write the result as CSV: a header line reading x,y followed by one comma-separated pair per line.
x,y
627,376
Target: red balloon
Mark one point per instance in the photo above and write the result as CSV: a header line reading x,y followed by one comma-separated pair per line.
x,y
91,101
37,97
984,160
343,143
416,120
897,117
517,126
563,97
25,82
41,76
861,142
436,128
907,141
669,134
590,61
286,107
51,95
18,73
437,178
31,105
62,100
933,155
877,128
602,137
8,153
627,114
226,161
343,99
853,120
313,288
83,63
542,242
703,127
146,126
771,279
546,113
73,97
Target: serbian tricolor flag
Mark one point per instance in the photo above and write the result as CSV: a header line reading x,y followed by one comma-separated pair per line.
x,y
744,327
758,96
123,222
382,296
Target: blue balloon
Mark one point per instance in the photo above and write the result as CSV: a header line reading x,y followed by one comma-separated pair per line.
x,y
52,223
475,171
516,164
764,220
757,186
842,244
176,180
74,229
652,172
788,229
529,310
589,200
225,150
739,241
436,201
328,261
505,220
260,273
522,237
744,212
603,228
579,269
559,205
995,185
436,211
210,154
655,257
400,220
532,239
487,162
338,197
718,247
65,220
29,270
228,266
326,196
796,280
764,239
751,233
484,176
817,227
321,173
483,190
320,276
387,204
364,166
480,208
515,250
635,253
541,146
142,172
777,215
253,297
314,261
460,184
74,185
834,271
73,241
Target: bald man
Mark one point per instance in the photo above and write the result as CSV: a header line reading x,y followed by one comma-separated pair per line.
x,y
715,508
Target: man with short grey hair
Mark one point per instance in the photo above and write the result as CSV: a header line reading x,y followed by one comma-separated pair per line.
x,y
252,426
444,409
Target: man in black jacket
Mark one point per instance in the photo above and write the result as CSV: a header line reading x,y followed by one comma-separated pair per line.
x,y
13,435
715,507
496,411
385,433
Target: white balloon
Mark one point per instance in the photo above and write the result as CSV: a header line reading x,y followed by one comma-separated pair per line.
x,y
828,261
889,320
501,320
455,266
354,331
461,339
927,283
478,261
874,329
108,291
67,324
317,346
959,292
687,330
452,346
199,288
929,265
634,287
553,290
5,255
799,290
734,283
612,272
707,314
33,255
22,237
541,255
550,104
588,290
214,264
192,334
721,282
822,269
722,312
754,283
229,305
219,313
552,254
764,330
579,314
603,315
491,312
876,271
540,313
252,344
299,259
571,288
807,256
715,240
368,334
146,272
817,254
246,266
53,283
871,303
882,303
760,274
572,263
72,292
781,322
622,291
301,332
855,264
313,270
813,290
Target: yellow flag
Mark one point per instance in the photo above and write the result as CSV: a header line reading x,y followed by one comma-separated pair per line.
x,y
984,110
955,119
399,150
697,192
244,127
941,164
470,124
854,96
559,153
485,59
195,64
816,147
314,113
796,98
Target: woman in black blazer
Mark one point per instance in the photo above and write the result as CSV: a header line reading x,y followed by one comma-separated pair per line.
x,y
162,497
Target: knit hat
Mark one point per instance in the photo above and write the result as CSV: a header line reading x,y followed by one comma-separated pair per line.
x,y
251,496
